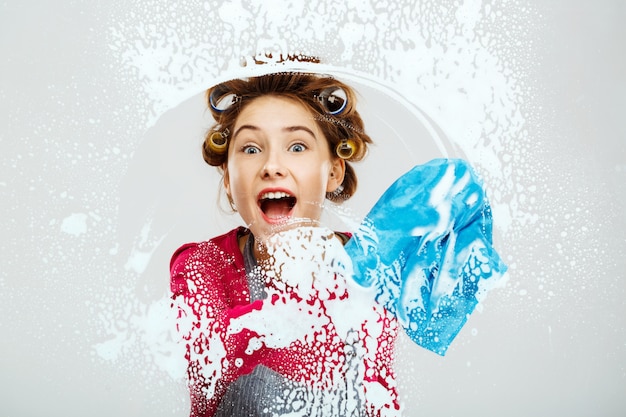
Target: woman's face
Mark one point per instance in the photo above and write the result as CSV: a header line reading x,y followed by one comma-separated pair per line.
x,y
279,166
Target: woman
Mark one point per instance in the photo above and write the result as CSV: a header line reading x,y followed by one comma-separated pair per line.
x,y
272,324
280,318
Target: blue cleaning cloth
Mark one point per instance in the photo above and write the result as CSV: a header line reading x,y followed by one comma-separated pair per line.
x,y
426,249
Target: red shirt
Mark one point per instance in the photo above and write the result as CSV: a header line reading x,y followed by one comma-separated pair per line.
x,y
210,292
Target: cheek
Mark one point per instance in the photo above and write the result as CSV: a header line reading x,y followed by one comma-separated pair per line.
x,y
235,175
318,179
325,173
237,187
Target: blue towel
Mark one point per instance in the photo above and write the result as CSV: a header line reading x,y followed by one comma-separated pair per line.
x,y
426,249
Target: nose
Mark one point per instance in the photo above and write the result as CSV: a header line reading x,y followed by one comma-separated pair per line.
x,y
273,167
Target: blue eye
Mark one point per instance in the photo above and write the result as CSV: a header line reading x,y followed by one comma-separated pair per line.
x,y
297,147
250,149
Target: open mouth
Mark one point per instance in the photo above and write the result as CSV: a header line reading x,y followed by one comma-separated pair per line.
x,y
276,205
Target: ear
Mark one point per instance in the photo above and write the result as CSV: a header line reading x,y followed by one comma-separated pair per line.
x,y
336,175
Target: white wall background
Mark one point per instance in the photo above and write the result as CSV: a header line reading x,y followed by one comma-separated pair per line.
x,y
101,179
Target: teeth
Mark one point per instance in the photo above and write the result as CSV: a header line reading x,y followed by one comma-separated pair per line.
x,y
274,195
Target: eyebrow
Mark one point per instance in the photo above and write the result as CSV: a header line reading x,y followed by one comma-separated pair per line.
x,y
284,129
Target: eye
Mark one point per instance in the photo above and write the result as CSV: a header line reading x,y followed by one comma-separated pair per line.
x,y
297,147
250,149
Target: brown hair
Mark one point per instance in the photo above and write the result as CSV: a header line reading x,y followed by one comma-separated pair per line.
x,y
303,88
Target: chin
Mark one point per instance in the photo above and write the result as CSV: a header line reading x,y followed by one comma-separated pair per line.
x,y
278,225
